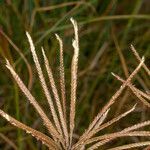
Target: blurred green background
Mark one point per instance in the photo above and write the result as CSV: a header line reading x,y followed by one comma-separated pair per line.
x,y
106,30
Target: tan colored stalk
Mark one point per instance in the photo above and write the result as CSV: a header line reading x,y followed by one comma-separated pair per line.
x,y
139,59
74,67
56,96
62,75
101,120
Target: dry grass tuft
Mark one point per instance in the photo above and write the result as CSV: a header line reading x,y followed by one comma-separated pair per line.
x,y
60,131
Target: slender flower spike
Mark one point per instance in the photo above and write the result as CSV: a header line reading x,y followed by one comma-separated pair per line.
x,y
62,75
74,67
61,127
